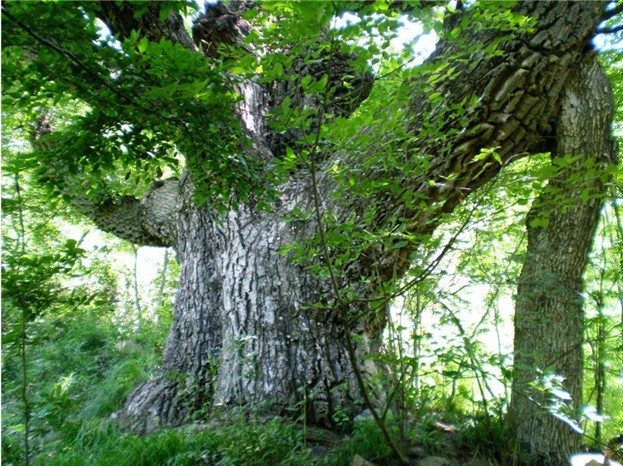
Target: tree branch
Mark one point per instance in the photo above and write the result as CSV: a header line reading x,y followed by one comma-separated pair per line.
x,y
76,61
149,221
501,111
70,56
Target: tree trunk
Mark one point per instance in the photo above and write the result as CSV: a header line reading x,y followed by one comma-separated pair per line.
x,y
245,330
549,319
244,333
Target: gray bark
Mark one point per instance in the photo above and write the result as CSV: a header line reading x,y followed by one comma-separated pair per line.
x,y
243,333
149,221
549,320
511,102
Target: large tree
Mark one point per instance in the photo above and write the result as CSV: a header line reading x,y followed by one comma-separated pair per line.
x,y
292,232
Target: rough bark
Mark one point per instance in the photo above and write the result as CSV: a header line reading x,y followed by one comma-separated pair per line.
x,y
549,320
510,100
243,330
242,334
149,221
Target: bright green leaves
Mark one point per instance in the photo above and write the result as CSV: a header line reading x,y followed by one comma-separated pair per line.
x,y
486,154
499,16
309,17
143,44
169,61
485,159
30,280
143,107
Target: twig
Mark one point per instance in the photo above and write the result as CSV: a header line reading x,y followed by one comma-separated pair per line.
x,y
610,30
23,342
92,73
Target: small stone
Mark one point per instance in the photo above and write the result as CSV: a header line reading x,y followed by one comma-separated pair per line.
x,y
318,451
359,461
435,461
365,415
416,452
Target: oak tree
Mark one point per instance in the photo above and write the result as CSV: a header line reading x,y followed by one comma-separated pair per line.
x,y
296,174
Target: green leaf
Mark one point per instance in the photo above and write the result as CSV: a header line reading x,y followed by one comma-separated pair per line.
x,y
143,45
539,222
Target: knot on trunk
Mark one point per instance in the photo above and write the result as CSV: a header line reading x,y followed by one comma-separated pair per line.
x,y
218,27
350,85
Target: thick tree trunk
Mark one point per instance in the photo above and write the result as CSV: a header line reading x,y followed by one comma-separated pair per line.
x,y
549,321
243,332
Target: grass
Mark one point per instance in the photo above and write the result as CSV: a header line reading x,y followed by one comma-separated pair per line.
x,y
238,442
81,369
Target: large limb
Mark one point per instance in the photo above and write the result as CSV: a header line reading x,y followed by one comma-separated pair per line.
x,y
146,221
149,221
507,102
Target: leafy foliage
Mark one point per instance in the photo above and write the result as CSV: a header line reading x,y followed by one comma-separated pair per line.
x,y
144,105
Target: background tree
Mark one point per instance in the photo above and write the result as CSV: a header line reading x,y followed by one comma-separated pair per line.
x,y
287,237
549,317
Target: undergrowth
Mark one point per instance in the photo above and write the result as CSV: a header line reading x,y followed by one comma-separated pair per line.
x,y
83,365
